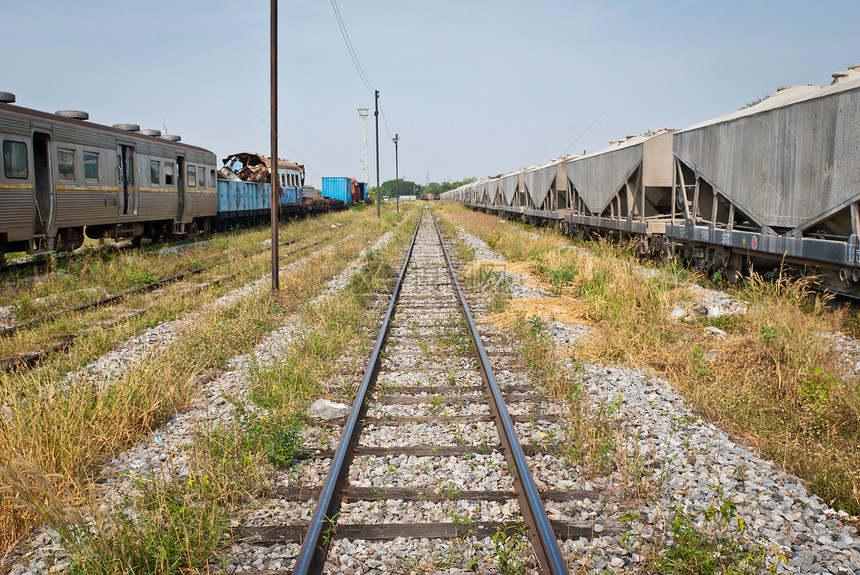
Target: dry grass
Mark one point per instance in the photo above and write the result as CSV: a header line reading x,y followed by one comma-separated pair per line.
x,y
776,384
556,309
65,430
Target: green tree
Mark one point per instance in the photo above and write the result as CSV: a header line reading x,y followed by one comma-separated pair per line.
x,y
408,188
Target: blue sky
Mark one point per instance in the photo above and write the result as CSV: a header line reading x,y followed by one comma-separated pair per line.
x,y
473,87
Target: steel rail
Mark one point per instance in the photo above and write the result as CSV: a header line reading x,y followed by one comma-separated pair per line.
x,y
539,530
146,287
29,359
311,558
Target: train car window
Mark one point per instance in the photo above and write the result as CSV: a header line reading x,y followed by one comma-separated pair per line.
x,y
91,166
201,178
155,172
212,181
66,164
168,174
192,176
15,160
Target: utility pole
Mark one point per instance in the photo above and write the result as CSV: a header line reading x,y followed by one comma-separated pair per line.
x,y
378,187
362,112
396,171
273,172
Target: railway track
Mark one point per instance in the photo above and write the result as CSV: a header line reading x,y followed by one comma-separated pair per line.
x,y
428,408
34,357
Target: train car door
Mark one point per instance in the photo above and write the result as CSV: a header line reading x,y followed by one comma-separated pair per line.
x,y
43,177
180,188
125,170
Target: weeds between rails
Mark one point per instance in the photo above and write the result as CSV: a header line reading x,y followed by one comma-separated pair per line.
x,y
64,435
778,384
146,287
94,277
46,262
31,358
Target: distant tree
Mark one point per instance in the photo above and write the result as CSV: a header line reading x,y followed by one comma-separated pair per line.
x,y
408,188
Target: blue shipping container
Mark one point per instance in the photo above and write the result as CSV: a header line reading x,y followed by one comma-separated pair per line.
x,y
337,188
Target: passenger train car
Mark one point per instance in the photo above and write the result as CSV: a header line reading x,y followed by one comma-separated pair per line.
x,y
64,176
776,182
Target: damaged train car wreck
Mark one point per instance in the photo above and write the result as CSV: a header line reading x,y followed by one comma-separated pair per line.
x,y
245,191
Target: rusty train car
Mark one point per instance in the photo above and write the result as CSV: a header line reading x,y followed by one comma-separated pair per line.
x,y
777,182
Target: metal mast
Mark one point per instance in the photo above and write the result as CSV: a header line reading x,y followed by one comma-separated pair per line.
x,y
365,173
378,187
396,139
273,172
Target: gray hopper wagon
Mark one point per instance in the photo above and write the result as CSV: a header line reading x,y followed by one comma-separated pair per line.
x,y
780,179
777,181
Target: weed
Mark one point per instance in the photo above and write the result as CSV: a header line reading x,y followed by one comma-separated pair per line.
x,y
511,549
699,363
710,542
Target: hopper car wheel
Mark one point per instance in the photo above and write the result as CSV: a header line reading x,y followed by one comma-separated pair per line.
x,y
667,252
734,269
643,249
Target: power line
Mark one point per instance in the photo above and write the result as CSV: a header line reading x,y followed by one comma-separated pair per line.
x,y
584,131
287,145
349,47
384,121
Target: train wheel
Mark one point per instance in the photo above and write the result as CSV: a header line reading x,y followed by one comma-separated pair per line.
x,y
734,269
667,252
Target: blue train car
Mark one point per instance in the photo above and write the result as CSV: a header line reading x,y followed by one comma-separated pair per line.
x,y
249,203
344,189
243,203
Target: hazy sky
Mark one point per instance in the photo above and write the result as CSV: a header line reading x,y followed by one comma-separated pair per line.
x,y
473,87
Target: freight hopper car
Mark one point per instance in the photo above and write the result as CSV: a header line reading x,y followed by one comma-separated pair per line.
x,y
778,181
624,191
64,177
775,182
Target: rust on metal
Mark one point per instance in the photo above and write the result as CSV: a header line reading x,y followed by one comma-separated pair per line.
x,y
253,167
